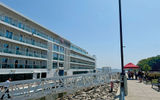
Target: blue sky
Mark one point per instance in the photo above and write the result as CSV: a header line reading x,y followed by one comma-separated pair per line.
x,y
94,25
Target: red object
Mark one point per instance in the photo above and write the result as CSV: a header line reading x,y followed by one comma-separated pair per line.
x,y
131,66
112,85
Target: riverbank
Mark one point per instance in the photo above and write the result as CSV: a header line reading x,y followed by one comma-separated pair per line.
x,y
101,92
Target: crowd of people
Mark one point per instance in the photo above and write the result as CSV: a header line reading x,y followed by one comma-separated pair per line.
x,y
135,75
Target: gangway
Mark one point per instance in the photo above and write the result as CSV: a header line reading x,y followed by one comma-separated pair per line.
x,y
37,88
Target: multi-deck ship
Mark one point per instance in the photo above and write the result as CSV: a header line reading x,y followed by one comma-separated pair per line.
x,y
30,51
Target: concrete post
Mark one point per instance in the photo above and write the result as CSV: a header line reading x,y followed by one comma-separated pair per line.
x,y
50,58
34,75
125,86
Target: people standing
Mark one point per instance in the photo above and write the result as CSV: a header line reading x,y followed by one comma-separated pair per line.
x,y
129,74
132,75
140,76
136,75
56,73
6,87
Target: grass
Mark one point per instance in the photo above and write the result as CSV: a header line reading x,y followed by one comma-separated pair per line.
x,y
154,80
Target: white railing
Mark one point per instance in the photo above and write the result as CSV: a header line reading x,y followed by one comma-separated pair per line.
x,y
29,89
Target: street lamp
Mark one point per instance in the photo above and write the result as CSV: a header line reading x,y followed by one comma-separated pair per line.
x,y
122,94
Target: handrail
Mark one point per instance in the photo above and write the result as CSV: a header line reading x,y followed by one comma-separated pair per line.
x,y
37,88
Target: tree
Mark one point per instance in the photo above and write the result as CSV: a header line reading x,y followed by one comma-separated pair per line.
x,y
146,68
152,63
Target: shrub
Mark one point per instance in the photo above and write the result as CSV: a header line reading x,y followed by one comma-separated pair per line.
x,y
154,75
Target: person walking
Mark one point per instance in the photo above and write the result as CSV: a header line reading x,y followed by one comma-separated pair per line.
x,y
6,87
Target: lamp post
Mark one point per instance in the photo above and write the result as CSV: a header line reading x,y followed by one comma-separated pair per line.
x,y
122,94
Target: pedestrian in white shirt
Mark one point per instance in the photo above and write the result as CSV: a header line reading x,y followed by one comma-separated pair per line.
x,y
56,73
6,87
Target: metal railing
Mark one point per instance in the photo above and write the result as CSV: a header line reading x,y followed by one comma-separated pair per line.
x,y
22,52
29,89
81,57
21,66
24,40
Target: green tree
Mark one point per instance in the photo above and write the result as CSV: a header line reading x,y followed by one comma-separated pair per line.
x,y
146,68
150,63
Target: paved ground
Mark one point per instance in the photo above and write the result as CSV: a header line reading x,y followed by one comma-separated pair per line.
x,y
141,91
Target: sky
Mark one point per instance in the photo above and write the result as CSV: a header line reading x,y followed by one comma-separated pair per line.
x,y
94,25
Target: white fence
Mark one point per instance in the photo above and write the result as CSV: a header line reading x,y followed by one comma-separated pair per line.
x,y
29,89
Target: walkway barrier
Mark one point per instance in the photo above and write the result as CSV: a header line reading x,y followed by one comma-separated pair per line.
x,y
37,88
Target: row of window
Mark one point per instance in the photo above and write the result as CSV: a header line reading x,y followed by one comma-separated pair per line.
x,y
58,48
80,61
82,57
58,57
19,63
78,49
20,50
21,38
31,29
81,67
33,42
55,65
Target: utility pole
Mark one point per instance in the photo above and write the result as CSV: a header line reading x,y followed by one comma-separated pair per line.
x,y
122,86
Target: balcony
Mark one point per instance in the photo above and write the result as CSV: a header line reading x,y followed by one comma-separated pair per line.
x,y
81,63
24,40
22,66
21,52
80,57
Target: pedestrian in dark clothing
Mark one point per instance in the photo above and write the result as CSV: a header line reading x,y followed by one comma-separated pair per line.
x,y
136,75
140,76
132,75
129,74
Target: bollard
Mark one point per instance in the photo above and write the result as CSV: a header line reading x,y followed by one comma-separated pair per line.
x,y
125,86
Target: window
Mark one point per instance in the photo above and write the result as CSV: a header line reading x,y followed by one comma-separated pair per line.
x,y
43,64
57,41
43,75
61,57
56,47
15,22
5,63
35,54
16,64
34,64
34,31
26,64
55,56
62,49
27,52
6,46
33,42
8,34
20,25
10,20
55,65
21,38
61,65
6,19
17,50
27,28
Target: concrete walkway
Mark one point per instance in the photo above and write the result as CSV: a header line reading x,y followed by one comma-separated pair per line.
x,y
141,91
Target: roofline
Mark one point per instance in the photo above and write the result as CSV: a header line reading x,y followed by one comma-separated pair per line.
x,y
25,17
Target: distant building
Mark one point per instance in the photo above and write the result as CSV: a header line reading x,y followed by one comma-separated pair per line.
x,y
30,51
106,69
